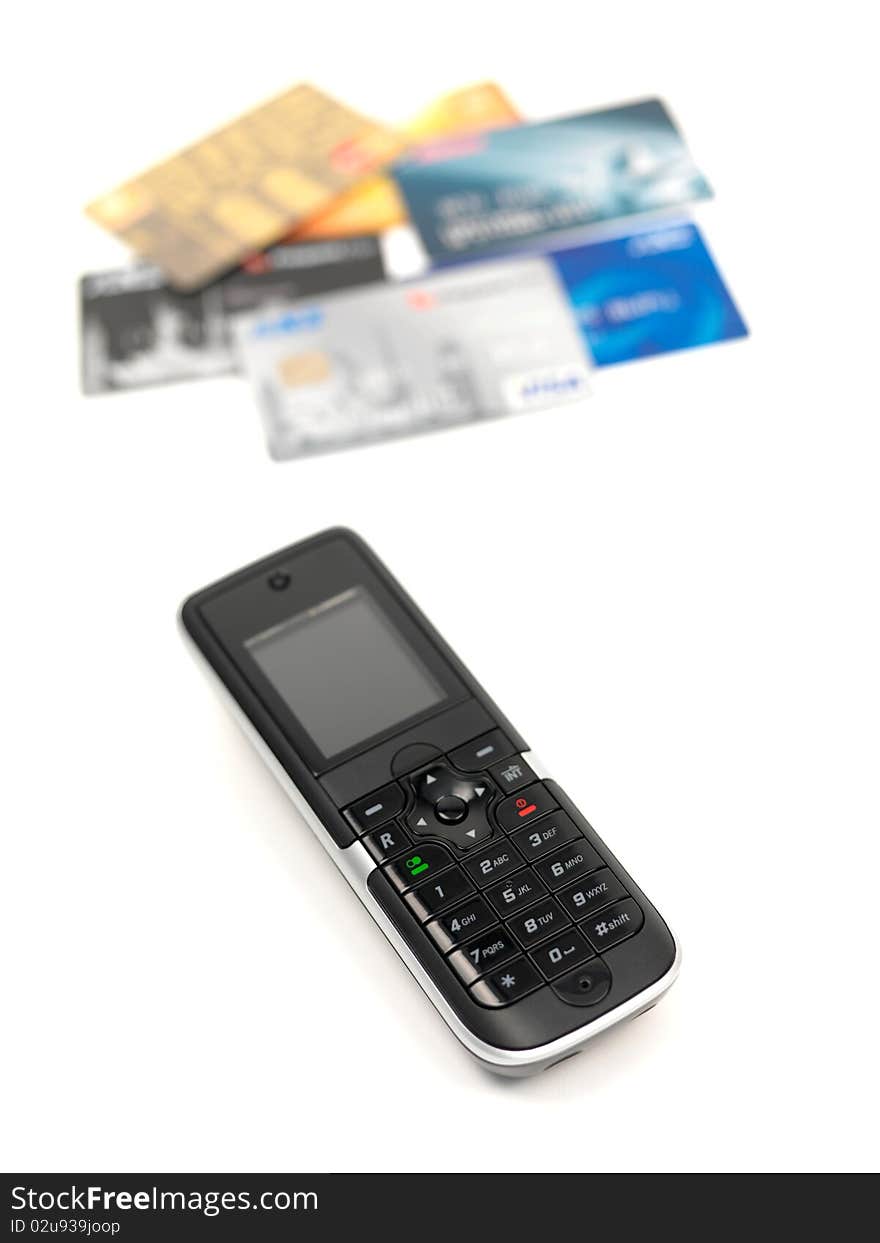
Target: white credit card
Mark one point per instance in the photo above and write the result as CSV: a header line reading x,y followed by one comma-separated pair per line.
x,y
470,343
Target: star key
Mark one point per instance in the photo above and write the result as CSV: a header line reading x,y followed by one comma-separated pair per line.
x,y
508,984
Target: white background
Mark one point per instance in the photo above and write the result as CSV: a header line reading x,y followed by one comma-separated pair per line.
x,y
671,590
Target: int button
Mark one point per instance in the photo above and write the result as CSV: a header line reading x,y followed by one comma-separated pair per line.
x,y
512,774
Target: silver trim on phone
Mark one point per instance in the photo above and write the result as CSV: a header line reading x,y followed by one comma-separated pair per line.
x,y
356,865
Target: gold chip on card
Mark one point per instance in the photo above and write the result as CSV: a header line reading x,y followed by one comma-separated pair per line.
x,y
297,370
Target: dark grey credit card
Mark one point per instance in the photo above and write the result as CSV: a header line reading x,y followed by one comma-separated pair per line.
x,y
136,331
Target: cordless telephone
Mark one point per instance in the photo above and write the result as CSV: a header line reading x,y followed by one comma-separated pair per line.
x,y
520,925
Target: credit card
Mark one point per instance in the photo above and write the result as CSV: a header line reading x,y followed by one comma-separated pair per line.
x,y
648,293
475,343
492,192
245,186
375,204
136,331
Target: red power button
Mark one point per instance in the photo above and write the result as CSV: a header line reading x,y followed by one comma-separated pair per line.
x,y
535,801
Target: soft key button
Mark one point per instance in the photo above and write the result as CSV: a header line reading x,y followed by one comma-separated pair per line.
x,y
481,752
376,808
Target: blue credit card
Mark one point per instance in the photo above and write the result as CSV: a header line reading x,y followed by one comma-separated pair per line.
x,y
648,293
486,193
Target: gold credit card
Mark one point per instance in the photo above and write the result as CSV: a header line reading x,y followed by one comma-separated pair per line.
x,y
246,185
375,202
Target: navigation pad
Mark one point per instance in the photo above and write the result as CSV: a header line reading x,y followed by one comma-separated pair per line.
x,y
451,806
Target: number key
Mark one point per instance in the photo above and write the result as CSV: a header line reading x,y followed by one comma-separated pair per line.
x,y
519,891
432,896
481,955
464,921
537,839
538,923
567,864
592,894
496,861
562,953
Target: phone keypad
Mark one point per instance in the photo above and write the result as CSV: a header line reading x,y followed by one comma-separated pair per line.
x,y
506,885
